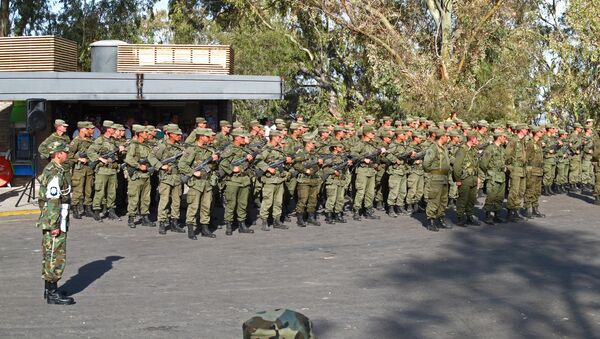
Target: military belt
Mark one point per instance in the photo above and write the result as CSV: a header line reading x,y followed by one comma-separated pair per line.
x,y
439,171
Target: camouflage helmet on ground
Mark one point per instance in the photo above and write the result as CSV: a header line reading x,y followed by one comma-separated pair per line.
x,y
279,323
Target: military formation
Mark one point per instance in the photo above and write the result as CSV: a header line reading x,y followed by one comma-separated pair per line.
x,y
400,167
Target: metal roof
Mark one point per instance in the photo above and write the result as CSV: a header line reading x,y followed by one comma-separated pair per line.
x,y
127,86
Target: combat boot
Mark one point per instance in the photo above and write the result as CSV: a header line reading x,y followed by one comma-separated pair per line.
x,y
88,211
339,217
356,215
489,218
97,216
112,215
242,228
392,212
329,218
146,221
131,221
527,213
551,190
380,206
264,225
536,213
471,220
191,232
409,209
75,212
545,191
513,216
401,210
300,220
277,224
228,230
162,227
370,214
205,232
432,225
497,218
442,223
174,225
312,219
415,208
597,200
54,297
461,221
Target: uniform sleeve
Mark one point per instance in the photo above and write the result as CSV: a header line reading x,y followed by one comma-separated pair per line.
x,y
485,159
430,156
510,152
43,149
225,163
130,160
261,161
458,163
186,161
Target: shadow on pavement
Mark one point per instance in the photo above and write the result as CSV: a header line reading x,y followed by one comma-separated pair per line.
x,y
89,273
514,280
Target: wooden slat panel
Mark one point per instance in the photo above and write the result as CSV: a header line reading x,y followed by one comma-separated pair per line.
x,y
38,53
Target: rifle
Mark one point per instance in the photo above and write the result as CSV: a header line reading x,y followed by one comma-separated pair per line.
x,y
112,155
418,156
339,167
172,159
203,166
314,163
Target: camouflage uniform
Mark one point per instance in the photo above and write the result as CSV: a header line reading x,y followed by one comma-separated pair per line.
x,y
493,164
596,161
549,145
364,183
309,184
169,188
587,169
83,175
415,180
562,166
54,137
397,170
138,188
335,186
535,171
575,146
237,185
272,184
437,164
466,171
516,160
105,185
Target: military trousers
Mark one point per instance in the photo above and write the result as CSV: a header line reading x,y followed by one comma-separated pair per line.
x,y
587,170
437,200
380,180
467,197
549,171
82,182
307,196
533,191
335,195
416,186
597,180
452,189
364,186
562,170
575,170
237,202
397,189
138,195
199,201
516,191
54,255
105,190
169,204
495,196
272,198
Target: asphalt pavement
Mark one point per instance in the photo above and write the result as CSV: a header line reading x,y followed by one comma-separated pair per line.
x,y
374,279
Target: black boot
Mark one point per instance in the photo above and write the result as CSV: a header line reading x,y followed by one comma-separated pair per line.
x,y
75,212
131,221
146,221
370,214
264,225
442,223
461,221
329,218
97,216
174,225
415,208
356,215
527,213
191,232
489,218
277,224
597,200
472,221
551,190
513,216
545,191
392,211
339,217
54,297
536,213
162,227
228,230
312,219
497,218
300,220
205,232
432,225
88,211
409,209
242,228
401,210
112,215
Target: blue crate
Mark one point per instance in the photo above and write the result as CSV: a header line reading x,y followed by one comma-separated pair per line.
x,y
22,170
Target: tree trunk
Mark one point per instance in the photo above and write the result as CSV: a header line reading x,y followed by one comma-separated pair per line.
x,y
4,25
441,11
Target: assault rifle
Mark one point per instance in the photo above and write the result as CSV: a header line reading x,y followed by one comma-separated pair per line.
x,y
203,166
112,155
418,156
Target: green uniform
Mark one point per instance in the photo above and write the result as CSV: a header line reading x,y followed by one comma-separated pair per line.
x,y
309,181
466,171
493,163
535,171
199,196
575,146
415,179
272,184
549,145
291,146
562,164
452,188
437,164
43,147
364,183
54,249
397,171
138,188
237,185
169,187
516,160
587,169
105,184
82,179
335,185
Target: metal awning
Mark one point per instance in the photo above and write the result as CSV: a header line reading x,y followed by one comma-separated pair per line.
x,y
127,86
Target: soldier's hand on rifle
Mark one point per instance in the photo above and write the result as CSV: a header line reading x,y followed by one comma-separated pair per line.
x,y
383,150
249,157
143,168
102,160
349,162
198,174
551,151
121,148
337,173
413,154
289,160
55,232
236,169
320,161
367,161
165,167
458,183
308,171
271,170
215,157
418,161
83,160
398,162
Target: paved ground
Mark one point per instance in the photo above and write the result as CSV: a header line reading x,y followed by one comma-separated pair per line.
x,y
385,279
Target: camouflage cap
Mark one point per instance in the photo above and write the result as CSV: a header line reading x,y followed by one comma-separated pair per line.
x,y
400,130
577,125
308,138
589,120
482,123
368,129
254,123
119,127
108,123
138,128
454,133
275,133
200,120
239,132
224,123
279,121
398,123
535,129
339,128
150,128
206,132
418,135
85,124
323,129
472,134
386,117
172,129
336,143
550,125
521,126
369,117
60,122
281,127
448,123
57,146
237,124
294,126
499,134
562,131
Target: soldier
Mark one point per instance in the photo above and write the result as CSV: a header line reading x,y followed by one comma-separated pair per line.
x,y
200,123
59,135
587,169
397,169
335,181
437,164
307,163
223,137
199,196
453,146
53,220
271,162
385,139
415,181
562,162
121,195
293,143
103,152
465,173
596,162
83,175
170,189
535,171
575,147
236,165
493,164
550,147
366,151
516,160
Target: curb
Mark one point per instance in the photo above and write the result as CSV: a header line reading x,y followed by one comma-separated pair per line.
x,y
22,212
